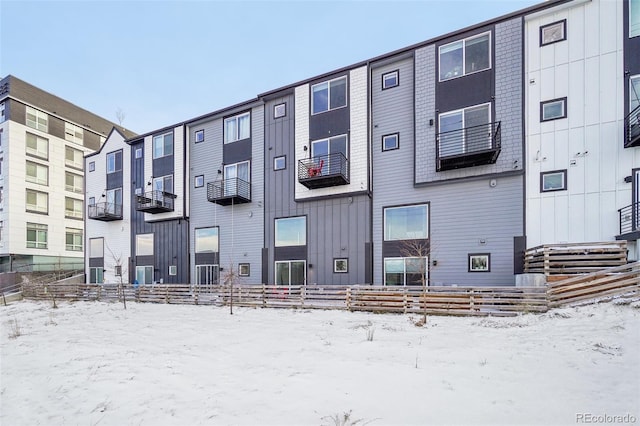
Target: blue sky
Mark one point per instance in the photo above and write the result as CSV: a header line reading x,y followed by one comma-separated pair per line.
x,y
162,62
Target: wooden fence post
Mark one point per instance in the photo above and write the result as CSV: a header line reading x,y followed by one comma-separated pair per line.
x,y
471,301
349,298
303,290
405,300
166,294
264,295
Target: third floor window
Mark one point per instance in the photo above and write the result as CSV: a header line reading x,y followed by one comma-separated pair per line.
x,y
237,127
465,57
329,95
37,119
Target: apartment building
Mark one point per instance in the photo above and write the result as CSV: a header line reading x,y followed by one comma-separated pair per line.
x,y
43,140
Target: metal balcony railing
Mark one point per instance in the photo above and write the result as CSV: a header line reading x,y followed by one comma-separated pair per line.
x,y
324,170
105,211
468,147
229,191
155,202
629,218
632,128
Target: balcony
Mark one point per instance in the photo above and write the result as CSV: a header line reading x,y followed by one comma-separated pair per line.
x,y
105,211
629,222
323,171
632,128
155,202
229,191
468,147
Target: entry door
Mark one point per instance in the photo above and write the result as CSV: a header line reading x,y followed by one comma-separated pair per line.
x,y
144,274
232,173
206,274
291,272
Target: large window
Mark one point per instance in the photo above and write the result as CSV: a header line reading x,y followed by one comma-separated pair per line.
x,y
453,140
406,223
37,119
144,245
322,150
634,18
114,161
73,158
329,95
405,271
37,146
163,183
233,173
237,127
73,133
163,145
96,247
37,173
207,274
96,275
37,235
114,201
465,57
73,238
291,231
206,240
72,208
73,182
37,201
291,272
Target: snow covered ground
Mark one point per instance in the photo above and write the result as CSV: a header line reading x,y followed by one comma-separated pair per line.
x,y
97,364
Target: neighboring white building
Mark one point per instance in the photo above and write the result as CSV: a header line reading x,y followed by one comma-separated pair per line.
x,y
43,140
580,169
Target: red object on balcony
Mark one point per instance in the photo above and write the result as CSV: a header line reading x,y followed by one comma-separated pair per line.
x,y
316,170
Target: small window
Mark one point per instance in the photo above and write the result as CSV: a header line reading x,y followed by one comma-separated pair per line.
x,y
199,181
280,163
479,262
92,201
279,110
173,270
553,109
244,269
138,152
37,173
199,135
553,181
118,271
390,80
390,142
37,201
92,166
73,133
138,191
73,239
37,235
553,33
340,266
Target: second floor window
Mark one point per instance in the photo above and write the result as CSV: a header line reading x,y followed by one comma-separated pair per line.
x,y
406,222
163,145
463,130
237,127
291,231
465,57
37,119
163,183
206,240
329,95
114,161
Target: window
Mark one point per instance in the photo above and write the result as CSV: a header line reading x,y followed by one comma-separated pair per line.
x,y
553,181
138,152
403,271
280,163
291,231
199,136
144,274
92,201
329,95
244,269
291,272
199,181
73,182
37,119
37,173
553,33
117,270
207,274
479,262
96,275
73,158
207,240
233,175
73,239
37,201
634,92
37,235
163,145
465,57
96,248
37,146
237,127
390,80
72,208
340,266
406,223
144,245
634,18
173,270
1,197
92,166
553,109
2,113
114,161
452,140
163,183
73,133
390,142
326,151
279,110
1,226
114,201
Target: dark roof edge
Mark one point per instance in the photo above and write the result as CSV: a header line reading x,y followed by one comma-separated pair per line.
x,y
113,129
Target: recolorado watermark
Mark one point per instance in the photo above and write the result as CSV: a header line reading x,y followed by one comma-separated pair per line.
x,y
605,418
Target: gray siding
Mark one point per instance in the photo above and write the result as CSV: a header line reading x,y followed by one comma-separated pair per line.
x,y
240,226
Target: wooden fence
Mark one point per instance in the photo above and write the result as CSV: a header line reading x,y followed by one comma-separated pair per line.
x,y
571,259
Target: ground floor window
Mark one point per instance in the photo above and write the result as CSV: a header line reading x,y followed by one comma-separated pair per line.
x,y
96,275
144,274
405,270
207,274
291,272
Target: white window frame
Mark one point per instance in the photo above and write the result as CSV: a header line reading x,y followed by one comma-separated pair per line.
x,y
40,230
288,284
39,120
462,112
77,211
42,201
92,166
160,184
404,270
201,235
73,133
235,133
337,269
386,231
41,170
198,181
42,146
138,152
280,110
302,239
328,83
634,13
96,248
277,160
96,275
543,175
244,269
463,43
147,272
173,270
112,161
144,242
552,102
390,79
78,184
211,273
159,146
77,160
76,241
198,136
391,136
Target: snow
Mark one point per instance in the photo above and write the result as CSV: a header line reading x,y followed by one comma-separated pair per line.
x,y
92,363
